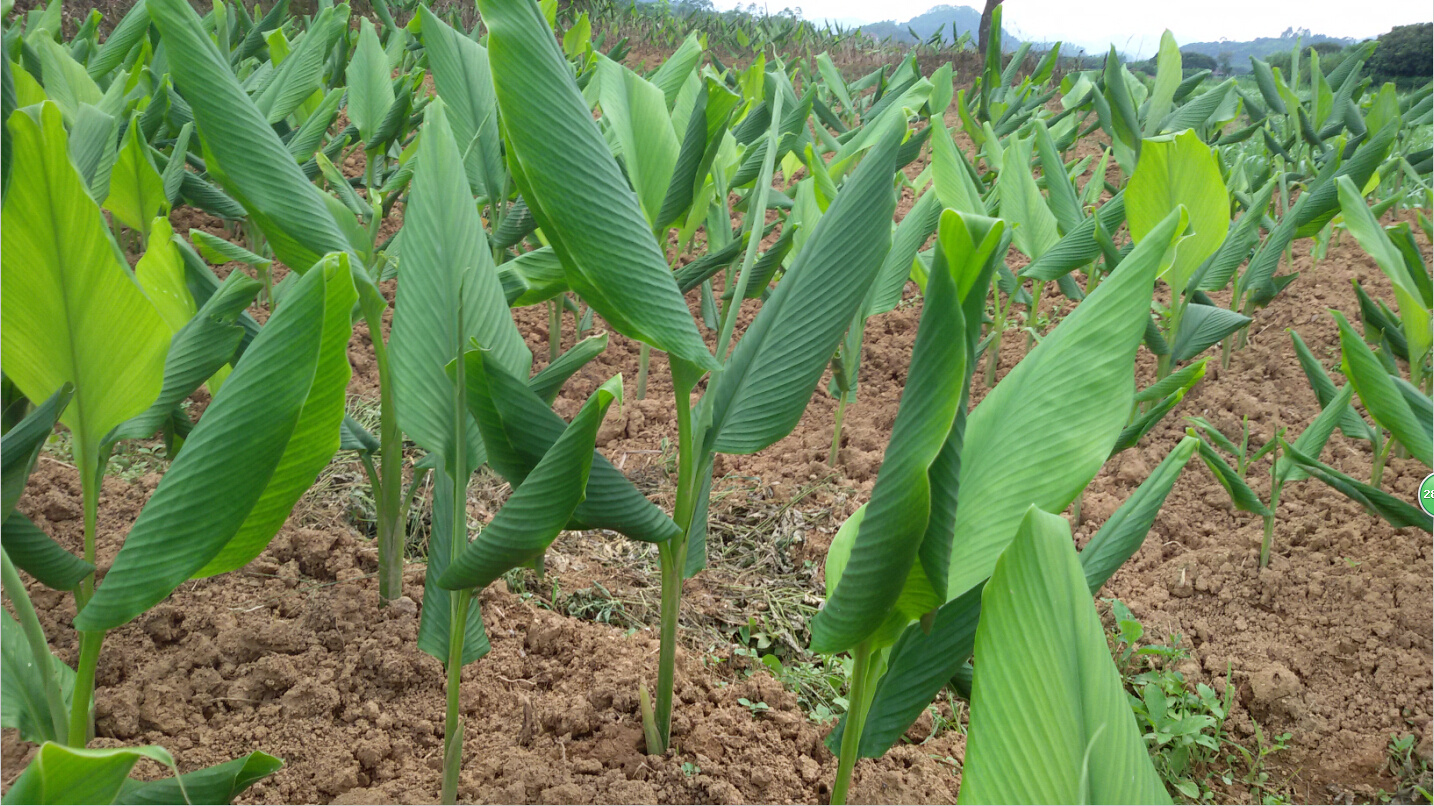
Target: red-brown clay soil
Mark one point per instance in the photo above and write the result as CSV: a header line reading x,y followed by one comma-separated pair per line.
x,y
1332,643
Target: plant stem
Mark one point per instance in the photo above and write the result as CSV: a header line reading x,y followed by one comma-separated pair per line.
x,y
458,601
555,329
993,350
1031,325
672,555
1177,310
1270,518
388,494
855,724
1381,455
644,354
39,648
88,461
836,428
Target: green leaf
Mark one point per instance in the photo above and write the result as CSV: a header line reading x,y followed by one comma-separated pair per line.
x,y
1079,246
911,234
1167,80
774,369
315,438
242,150
1173,171
1240,493
541,506
1050,722
464,82
637,113
173,175
301,74
706,130
218,251
1380,396
566,173
1312,440
200,348
74,314
1120,536
1350,422
131,29
1243,236
1142,425
1184,378
219,784
519,428
541,273
884,552
93,149
449,294
1064,204
1202,326
1074,391
547,383
1397,512
675,68
370,90
160,273
24,705
136,188
41,557
59,774
1022,203
20,446
241,439
1413,301
434,631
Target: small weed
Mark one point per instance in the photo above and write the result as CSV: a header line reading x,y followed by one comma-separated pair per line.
x,y
1183,728
757,708
1256,775
689,769
1410,769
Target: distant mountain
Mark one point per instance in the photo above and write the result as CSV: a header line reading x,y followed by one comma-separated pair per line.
x,y
937,18
1239,53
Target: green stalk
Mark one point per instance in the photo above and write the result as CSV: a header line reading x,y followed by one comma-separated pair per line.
x,y
388,493
993,350
458,601
39,648
1031,325
855,724
1177,310
555,329
1270,518
1381,455
89,641
672,557
644,354
836,429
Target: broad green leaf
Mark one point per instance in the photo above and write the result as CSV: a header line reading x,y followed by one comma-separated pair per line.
x,y
1080,246
136,188
434,631
449,293
24,705
1240,493
952,181
1312,440
541,274
160,272
219,784
911,234
242,150
199,351
370,90
66,82
884,551
464,82
218,251
540,507
648,146
131,29
1064,204
1243,236
1050,722
302,72
41,557
1022,203
93,149
547,383
566,173
1379,394
705,133
518,430
675,68
73,314
923,661
1173,171
60,774
1397,512
1350,423
1167,79
241,438
1413,302
1072,392
1202,326
20,446
315,438
832,80
774,369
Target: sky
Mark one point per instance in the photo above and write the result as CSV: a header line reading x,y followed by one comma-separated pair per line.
x,y
1134,26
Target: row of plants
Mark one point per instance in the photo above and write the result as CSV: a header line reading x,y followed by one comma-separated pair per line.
x,y
514,194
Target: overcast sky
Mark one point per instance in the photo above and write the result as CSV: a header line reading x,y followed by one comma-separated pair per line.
x,y
1134,26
